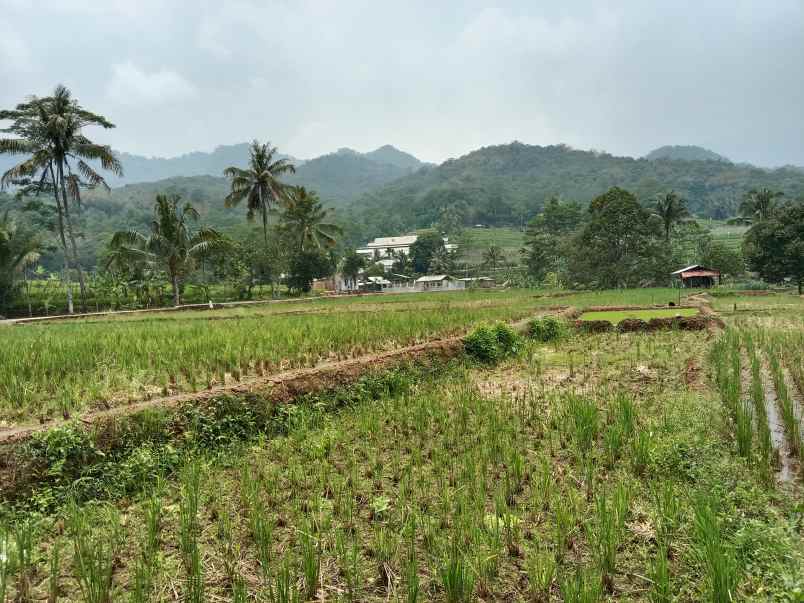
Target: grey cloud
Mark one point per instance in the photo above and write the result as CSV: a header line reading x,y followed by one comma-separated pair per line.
x,y
435,78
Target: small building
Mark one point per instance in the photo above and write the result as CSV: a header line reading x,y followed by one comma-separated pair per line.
x,y
438,282
478,282
697,276
386,248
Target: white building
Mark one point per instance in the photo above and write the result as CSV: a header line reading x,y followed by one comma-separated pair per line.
x,y
382,249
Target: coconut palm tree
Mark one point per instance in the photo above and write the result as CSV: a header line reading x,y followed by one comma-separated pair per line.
x,y
50,131
304,219
259,184
172,245
493,257
672,209
758,205
17,249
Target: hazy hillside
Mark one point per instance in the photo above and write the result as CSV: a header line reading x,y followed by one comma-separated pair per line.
x,y
507,184
685,153
341,176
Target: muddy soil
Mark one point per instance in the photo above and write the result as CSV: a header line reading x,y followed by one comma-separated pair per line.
x,y
788,466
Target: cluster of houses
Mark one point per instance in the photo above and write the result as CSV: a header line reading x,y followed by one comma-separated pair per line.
x,y
384,251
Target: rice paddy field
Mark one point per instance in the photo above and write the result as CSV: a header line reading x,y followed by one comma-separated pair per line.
x,y
57,368
607,467
617,316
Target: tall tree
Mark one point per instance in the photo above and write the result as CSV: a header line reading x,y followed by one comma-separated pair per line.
x,y
259,184
17,248
423,249
50,131
304,220
548,234
758,205
351,265
172,245
618,245
672,209
775,247
493,257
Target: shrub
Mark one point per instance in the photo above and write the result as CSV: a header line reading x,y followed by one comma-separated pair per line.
x,y
548,328
482,344
507,339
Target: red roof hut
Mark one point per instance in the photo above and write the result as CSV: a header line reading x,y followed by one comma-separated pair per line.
x,y
697,276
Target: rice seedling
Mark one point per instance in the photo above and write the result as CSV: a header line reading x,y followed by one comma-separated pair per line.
x,y
189,531
54,567
6,561
96,536
641,448
147,560
718,560
284,590
581,588
541,573
456,577
24,557
606,533
659,573
311,564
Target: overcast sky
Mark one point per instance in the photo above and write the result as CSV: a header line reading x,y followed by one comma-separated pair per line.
x,y
437,78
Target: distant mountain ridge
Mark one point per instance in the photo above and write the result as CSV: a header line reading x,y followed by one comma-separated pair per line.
x,y
685,153
505,185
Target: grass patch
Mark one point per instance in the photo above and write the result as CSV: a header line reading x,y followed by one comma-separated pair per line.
x,y
617,316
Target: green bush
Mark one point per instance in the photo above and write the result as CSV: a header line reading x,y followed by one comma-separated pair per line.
x,y
507,339
548,328
482,344
490,343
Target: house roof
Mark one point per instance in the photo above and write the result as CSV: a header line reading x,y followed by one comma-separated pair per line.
x,y
383,242
432,278
696,270
693,267
378,280
476,278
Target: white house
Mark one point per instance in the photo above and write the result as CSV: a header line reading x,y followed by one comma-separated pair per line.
x,y
383,248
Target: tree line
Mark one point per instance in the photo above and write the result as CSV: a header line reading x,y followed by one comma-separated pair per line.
x,y
59,163
617,241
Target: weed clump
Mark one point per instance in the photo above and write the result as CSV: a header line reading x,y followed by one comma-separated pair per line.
x,y
548,328
491,343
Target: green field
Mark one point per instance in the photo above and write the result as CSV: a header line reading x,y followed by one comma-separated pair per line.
x,y
617,316
47,369
591,468
474,241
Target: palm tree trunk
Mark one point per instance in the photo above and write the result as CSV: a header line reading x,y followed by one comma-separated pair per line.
x,y
60,213
81,282
174,281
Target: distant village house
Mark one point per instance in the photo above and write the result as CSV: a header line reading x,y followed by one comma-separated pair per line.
x,y
697,276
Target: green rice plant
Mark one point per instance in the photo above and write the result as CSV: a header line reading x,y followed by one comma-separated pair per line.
x,y
744,428
626,415
720,564
347,552
541,573
564,518
54,565
384,549
239,591
641,449
96,537
24,531
607,531
667,511
147,561
283,589
659,574
311,564
613,442
456,577
583,419
581,588
412,586
189,531
6,561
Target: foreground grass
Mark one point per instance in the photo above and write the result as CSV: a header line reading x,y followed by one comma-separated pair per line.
x,y
594,469
57,368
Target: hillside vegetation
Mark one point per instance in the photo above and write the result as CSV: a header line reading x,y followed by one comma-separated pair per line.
x,y
507,184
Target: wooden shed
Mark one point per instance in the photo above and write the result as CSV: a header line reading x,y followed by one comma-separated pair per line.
x,y
697,276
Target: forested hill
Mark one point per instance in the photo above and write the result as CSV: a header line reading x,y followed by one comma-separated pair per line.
x,y
685,153
338,177
508,184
